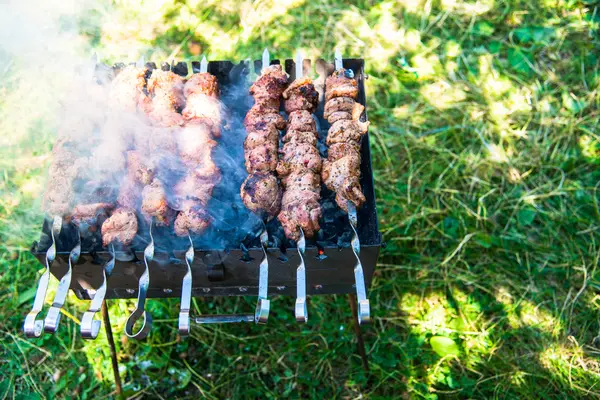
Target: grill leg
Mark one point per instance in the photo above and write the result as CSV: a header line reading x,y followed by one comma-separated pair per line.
x,y
113,350
360,343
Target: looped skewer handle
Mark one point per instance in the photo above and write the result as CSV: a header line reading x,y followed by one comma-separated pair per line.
x,y
32,327
90,327
364,309
53,317
186,292
300,309
263,305
140,311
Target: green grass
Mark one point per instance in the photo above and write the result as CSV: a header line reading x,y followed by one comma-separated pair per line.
x,y
486,157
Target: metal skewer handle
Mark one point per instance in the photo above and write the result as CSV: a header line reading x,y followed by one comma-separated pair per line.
x,y
300,310
364,309
263,305
32,327
140,311
53,317
186,292
90,327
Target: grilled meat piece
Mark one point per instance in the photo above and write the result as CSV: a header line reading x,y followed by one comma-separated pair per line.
x,y
192,220
346,131
126,88
140,169
261,137
299,156
121,227
301,95
300,165
343,104
301,120
298,137
261,193
341,171
195,149
202,83
191,190
91,215
165,99
202,102
343,175
262,159
261,115
341,84
269,86
154,203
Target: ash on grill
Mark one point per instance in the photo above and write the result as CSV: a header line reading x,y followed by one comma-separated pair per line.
x,y
223,257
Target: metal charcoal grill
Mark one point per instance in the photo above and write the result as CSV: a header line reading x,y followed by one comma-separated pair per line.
x,y
226,261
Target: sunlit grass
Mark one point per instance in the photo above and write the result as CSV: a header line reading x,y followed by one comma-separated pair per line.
x,y
484,119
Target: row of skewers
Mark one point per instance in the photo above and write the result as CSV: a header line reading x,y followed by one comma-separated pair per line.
x,y
184,118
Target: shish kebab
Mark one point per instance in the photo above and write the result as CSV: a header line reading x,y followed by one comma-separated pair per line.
x,y
299,170
341,170
66,168
122,225
260,191
202,115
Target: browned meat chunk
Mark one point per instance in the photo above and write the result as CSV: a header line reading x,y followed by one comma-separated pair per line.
x,y
262,159
139,169
257,138
195,149
346,131
299,156
202,83
121,227
202,102
298,137
269,86
342,175
261,193
301,121
260,116
154,203
91,214
193,190
165,99
126,88
301,95
194,220
340,84
343,105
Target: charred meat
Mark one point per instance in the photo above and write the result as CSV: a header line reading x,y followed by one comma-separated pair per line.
x,y
300,164
341,170
260,191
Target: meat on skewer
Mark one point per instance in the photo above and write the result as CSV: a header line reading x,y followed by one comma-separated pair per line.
x,y
162,106
260,191
202,116
341,170
300,165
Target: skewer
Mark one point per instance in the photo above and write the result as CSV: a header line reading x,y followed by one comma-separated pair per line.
x,y
144,282
263,305
364,311
53,317
33,328
89,326
204,65
186,292
300,308
266,60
